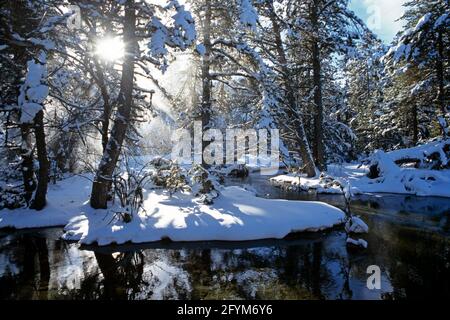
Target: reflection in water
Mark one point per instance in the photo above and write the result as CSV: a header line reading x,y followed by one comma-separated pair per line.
x,y
408,239
30,261
36,265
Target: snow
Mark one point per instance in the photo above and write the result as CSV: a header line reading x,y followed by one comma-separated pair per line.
x,y
37,94
184,33
179,32
356,225
443,123
247,14
201,49
45,43
359,243
423,21
402,50
237,215
36,71
393,178
29,111
419,151
158,39
441,20
33,91
65,200
297,182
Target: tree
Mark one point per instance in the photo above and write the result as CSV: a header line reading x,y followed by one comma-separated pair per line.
x,y
324,29
365,81
284,104
180,34
101,186
26,50
423,49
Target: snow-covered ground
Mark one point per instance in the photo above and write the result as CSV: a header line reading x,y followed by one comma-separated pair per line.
x,y
64,200
237,215
395,174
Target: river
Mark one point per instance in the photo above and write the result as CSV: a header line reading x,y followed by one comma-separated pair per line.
x,y
409,240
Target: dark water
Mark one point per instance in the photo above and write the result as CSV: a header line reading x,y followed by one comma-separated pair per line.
x,y
409,240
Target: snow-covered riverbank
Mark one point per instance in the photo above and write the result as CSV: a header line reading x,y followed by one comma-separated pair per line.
x,y
420,171
64,200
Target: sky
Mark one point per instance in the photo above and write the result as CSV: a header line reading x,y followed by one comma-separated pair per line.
x,y
380,16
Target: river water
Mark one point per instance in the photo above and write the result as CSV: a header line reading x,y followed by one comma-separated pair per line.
x,y
409,240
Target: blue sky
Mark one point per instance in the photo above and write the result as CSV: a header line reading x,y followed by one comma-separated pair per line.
x,y
386,13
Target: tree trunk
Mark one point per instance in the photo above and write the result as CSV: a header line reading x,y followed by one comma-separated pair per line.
x,y
302,141
318,147
415,125
105,125
103,179
106,103
27,167
40,200
205,111
18,8
25,19
441,83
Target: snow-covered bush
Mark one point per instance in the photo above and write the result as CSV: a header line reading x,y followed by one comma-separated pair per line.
x,y
11,198
129,193
11,193
128,189
170,176
203,184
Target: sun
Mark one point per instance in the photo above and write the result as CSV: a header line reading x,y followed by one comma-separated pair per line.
x,y
110,49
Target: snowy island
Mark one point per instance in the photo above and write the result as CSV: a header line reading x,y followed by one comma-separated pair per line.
x,y
236,215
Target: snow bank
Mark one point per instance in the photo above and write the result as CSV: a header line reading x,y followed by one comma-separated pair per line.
x,y
237,215
296,182
420,171
424,155
65,200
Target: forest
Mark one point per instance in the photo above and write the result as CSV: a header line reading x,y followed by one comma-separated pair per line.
x,y
137,121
